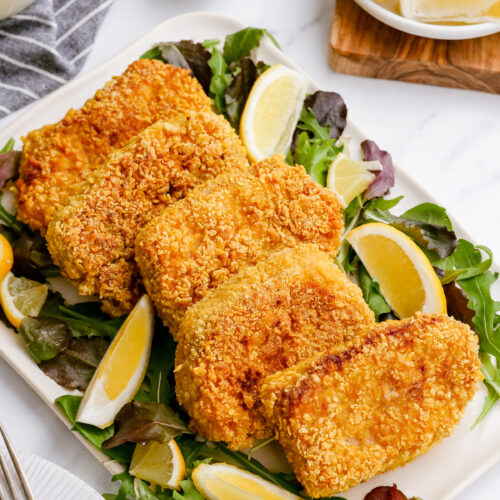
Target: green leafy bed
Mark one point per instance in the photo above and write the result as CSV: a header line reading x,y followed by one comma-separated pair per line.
x,y
68,341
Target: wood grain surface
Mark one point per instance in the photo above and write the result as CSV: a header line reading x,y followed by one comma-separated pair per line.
x,y
361,45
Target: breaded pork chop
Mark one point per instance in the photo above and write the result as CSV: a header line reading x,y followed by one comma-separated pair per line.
x,y
264,319
230,222
92,238
372,406
58,157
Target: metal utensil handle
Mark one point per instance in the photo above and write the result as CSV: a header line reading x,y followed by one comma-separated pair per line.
x,y
17,466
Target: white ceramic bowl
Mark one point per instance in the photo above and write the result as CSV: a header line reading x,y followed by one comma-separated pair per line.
x,y
442,32
10,7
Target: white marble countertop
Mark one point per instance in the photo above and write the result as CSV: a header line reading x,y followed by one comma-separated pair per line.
x,y
448,140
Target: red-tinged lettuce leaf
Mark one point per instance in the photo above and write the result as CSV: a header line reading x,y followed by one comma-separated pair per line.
x,y
435,238
44,338
75,366
427,224
330,112
236,94
9,166
143,422
384,179
458,304
185,54
386,493
31,257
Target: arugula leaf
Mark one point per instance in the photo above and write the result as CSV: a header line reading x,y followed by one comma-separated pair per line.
x,y
128,489
9,146
189,491
221,79
372,294
489,401
68,405
315,150
430,213
458,266
210,42
241,43
485,320
84,320
9,219
144,422
156,386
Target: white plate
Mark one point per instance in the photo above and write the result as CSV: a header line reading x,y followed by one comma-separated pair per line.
x,y
443,32
49,481
440,474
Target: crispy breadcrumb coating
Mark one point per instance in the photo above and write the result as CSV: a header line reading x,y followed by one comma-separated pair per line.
x,y
374,405
92,238
230,222
58,157
264,319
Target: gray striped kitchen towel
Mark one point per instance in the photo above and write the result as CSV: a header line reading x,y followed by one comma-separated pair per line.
x,y
44,46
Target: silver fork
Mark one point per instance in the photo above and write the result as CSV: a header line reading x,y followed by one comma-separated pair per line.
x,y
21,477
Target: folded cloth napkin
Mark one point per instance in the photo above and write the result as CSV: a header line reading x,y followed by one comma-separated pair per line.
x,y
44,46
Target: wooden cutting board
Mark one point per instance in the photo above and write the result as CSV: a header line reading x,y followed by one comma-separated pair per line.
x,y
361,45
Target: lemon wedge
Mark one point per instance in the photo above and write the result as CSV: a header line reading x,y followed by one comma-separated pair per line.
x,y
227,482
21,297
348,178
6,256
122,369
159,463
407,279
271,112
467,11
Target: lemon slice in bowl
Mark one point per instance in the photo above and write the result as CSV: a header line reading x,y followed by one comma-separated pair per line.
x,y
467,11
227,482
348,178
407,279
122,369
159,463
271,112
21,298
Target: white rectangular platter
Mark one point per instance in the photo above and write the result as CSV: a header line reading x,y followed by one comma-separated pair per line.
x,y
442,473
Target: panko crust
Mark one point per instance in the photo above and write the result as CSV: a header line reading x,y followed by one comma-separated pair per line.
x,y
230,222
264,319
374,405
92,238
58,157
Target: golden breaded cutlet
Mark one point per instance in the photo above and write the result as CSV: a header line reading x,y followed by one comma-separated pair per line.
x,y
363,409
58,157
92,238
230,222
264,319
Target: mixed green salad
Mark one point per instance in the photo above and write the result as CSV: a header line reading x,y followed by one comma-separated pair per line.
x,y
68,342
